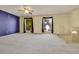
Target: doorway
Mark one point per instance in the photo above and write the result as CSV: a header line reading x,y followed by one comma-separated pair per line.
x,y
28,25
47,24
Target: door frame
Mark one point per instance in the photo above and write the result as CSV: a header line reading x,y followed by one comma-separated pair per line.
x,y
52,23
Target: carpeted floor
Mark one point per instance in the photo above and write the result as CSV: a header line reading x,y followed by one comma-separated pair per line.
x,y
35,44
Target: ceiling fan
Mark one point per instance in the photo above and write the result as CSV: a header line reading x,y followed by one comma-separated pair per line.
x,y
26,10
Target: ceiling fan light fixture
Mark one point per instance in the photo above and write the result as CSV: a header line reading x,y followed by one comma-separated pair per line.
x,y
26,11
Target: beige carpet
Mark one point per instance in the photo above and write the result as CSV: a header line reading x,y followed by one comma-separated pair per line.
x,y
35,44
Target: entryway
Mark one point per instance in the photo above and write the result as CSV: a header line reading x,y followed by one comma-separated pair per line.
x,y
47,24
28,25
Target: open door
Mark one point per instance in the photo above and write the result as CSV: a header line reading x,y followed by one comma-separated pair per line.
x,y
28,25
47,24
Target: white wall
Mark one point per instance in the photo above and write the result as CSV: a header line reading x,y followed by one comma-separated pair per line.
x,y
37,24
75,18
61,23
21,24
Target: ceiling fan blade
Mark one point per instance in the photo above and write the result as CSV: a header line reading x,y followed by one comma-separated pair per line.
x,y
30,13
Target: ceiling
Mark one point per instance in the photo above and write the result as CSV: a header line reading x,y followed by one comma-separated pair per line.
x,y
39,9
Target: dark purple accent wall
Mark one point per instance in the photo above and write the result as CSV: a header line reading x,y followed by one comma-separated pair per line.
x,y
9,23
